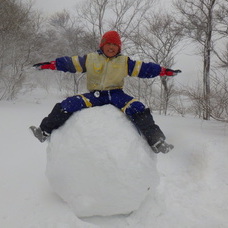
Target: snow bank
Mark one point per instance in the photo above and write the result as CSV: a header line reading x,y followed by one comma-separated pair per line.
x,y
99,164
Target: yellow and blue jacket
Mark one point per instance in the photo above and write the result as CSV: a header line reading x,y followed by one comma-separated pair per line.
x,y
105,73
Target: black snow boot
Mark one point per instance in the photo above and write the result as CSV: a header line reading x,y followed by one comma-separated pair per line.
x,y
153,134
54,120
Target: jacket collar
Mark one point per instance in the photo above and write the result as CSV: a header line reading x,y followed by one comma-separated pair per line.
x,y
100,52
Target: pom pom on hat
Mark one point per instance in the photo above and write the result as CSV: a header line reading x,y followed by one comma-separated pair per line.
x,y
112,37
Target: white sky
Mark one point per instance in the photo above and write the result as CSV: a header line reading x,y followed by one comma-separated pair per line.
x,y
52,6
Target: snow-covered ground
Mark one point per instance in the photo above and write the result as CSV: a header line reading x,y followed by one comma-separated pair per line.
x,y
193,189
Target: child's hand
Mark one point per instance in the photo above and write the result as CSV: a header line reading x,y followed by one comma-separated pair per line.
x,y
45,65
169,72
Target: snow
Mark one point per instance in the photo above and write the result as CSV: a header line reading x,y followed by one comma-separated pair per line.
x,y
193,188
99,164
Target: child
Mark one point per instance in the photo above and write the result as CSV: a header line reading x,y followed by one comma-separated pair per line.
x,y
106,70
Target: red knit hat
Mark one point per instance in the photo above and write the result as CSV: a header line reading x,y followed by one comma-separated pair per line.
x,y
112,37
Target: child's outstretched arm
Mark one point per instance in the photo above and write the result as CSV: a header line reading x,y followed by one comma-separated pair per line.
x,y
66,64
148,70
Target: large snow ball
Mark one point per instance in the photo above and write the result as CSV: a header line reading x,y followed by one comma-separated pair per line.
x,y
99,164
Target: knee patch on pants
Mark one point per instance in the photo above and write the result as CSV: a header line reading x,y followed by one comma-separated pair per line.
x,y
75,103
132,107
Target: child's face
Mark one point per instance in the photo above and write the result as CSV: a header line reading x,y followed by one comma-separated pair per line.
x,y
110,50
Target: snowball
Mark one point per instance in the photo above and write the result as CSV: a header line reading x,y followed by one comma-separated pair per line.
x,y
99,164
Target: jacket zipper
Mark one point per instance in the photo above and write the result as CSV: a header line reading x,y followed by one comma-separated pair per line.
x,y
105,74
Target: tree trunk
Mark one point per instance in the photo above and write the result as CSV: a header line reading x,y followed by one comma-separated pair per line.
x,y
207,61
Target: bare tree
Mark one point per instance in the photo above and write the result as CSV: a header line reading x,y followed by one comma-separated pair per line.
x,y
17,39
99,16
128,15
157,40
70,39
219,98
223,57
91,16
221,18
199,21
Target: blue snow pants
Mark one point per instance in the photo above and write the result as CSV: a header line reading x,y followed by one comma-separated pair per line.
x,y
115,97
62,111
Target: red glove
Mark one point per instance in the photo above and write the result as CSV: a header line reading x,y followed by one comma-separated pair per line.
x,y
169,72
45,65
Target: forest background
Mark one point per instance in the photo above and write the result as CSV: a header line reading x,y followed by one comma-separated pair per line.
x,y
149,32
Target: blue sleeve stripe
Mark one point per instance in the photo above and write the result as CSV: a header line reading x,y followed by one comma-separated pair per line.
x,y
65,64
71,64
82,61
131,65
